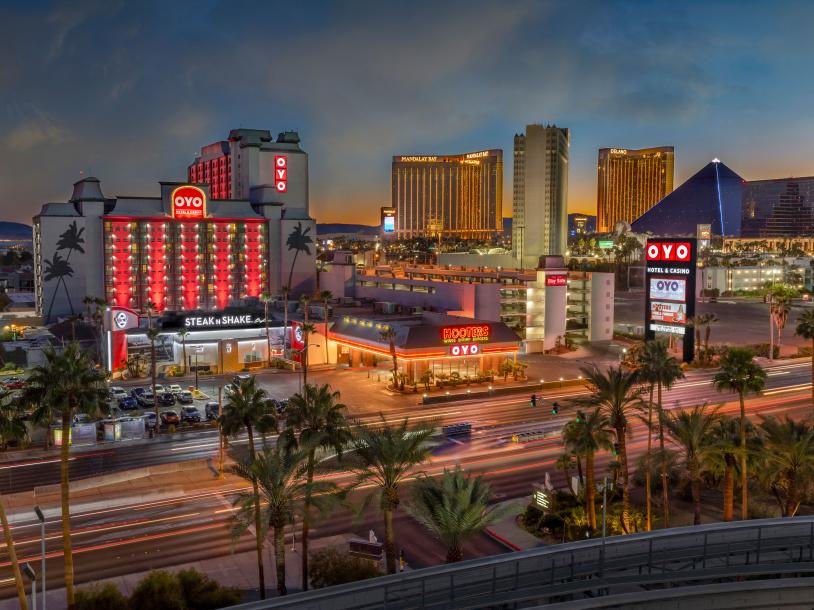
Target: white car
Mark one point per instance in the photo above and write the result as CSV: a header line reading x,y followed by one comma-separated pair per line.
x,y
174,388
159,389
117,393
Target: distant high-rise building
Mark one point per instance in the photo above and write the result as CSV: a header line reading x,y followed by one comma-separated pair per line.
x,y
630,182
778,208
540,204
448,196
581,224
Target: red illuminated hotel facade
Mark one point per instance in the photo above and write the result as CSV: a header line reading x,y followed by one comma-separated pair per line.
x,y
181,248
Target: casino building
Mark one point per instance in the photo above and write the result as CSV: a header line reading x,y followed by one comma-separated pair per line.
x,y
179,249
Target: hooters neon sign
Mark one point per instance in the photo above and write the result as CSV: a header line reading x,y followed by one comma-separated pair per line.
x,y
474,333
669,251
281,173
188,203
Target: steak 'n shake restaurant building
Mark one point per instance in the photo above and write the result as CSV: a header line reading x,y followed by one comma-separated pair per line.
x,y
427,341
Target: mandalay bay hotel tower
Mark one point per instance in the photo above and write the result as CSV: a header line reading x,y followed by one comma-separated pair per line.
x,y
450,196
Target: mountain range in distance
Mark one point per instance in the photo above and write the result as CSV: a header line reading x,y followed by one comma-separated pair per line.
x,y
15,231
330,228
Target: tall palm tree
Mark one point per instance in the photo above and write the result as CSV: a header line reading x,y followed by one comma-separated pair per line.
x,y
389,334
740,374
12,426
709,320
325,296
286,291
183,334
453,507
266,298
661,369
64,385
278,483
386,456
724,458
787,467
805,329
58,269
616,393
692,432
315,419
247,409
299,241
779,307
307,330
586,435
305,302
697,324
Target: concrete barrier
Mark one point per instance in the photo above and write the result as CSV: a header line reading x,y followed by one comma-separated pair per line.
x,y
431,399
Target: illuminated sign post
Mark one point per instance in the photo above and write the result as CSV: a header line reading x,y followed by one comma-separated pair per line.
x,y
281,173
188,203
670,289
388,220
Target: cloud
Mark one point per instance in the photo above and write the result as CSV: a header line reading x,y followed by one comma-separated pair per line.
x,y
35,133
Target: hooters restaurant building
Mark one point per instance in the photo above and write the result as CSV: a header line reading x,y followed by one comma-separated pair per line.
x,y
429,341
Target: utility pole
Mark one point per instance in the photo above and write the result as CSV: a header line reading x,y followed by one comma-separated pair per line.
x,y
771,328
220,432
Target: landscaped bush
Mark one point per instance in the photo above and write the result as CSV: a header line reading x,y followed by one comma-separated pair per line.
x,y
106,597
329,567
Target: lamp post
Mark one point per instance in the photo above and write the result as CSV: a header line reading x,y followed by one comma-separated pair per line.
x,y
41,518
220,431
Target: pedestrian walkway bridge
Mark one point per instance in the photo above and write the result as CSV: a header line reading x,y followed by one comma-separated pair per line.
x,y
767,563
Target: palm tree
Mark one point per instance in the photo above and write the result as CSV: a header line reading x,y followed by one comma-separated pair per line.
x,y
709,320
779,307
389,334
387,454
723,459
584,436
315,419
183,334
12,426
278,483
305,301
658,368
66,384
307,330
805,329
325,296
286,291
266,298
454,508
58,269
615,392
71,240
740,374
247,409
299,241
787,466
692,432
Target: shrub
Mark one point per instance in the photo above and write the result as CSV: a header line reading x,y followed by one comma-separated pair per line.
x,y
159,589
761,350
106,597
331,567
202,593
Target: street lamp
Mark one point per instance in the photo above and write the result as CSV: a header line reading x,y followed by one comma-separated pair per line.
x,y
32,576
41,518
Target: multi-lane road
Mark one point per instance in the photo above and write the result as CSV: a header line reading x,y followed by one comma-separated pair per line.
x,y
142,535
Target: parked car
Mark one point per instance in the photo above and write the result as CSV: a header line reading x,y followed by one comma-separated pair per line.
x,y
174,388
159,389
81,418
237,379
211,410
190,414
166,399
149,420
146,400
117,393
136,392
280,405
127,403
228,389
170,418
185,397
14,383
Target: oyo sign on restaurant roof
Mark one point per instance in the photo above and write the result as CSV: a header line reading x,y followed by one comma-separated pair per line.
x,y
188,203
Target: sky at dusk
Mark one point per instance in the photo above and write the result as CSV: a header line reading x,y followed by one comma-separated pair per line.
x,y
129,91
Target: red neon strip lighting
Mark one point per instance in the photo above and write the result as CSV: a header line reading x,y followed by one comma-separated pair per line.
x,y
253,260
221,257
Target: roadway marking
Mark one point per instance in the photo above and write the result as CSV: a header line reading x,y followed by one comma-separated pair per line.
x,y
793,388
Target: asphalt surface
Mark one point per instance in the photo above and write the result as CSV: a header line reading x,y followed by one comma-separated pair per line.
x,y
145,535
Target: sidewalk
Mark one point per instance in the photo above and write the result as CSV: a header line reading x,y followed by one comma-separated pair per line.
x,y
508,533
236,570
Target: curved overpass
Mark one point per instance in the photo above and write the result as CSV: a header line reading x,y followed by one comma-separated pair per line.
x,y
649,567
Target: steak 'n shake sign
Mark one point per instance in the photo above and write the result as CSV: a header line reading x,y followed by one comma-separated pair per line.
x,y
188,203
223,321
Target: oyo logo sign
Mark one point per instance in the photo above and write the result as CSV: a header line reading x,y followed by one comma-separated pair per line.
x,y
669,286
464,350
669,251
188,203
281,173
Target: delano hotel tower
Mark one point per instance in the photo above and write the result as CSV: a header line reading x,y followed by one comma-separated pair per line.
x,y
459,196
630,182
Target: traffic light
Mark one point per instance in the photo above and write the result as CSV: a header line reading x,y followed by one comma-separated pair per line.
x,y
555,409
534,400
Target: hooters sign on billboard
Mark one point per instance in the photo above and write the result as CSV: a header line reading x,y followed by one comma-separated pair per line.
x,y
678,252
281,173
474,333
188,203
